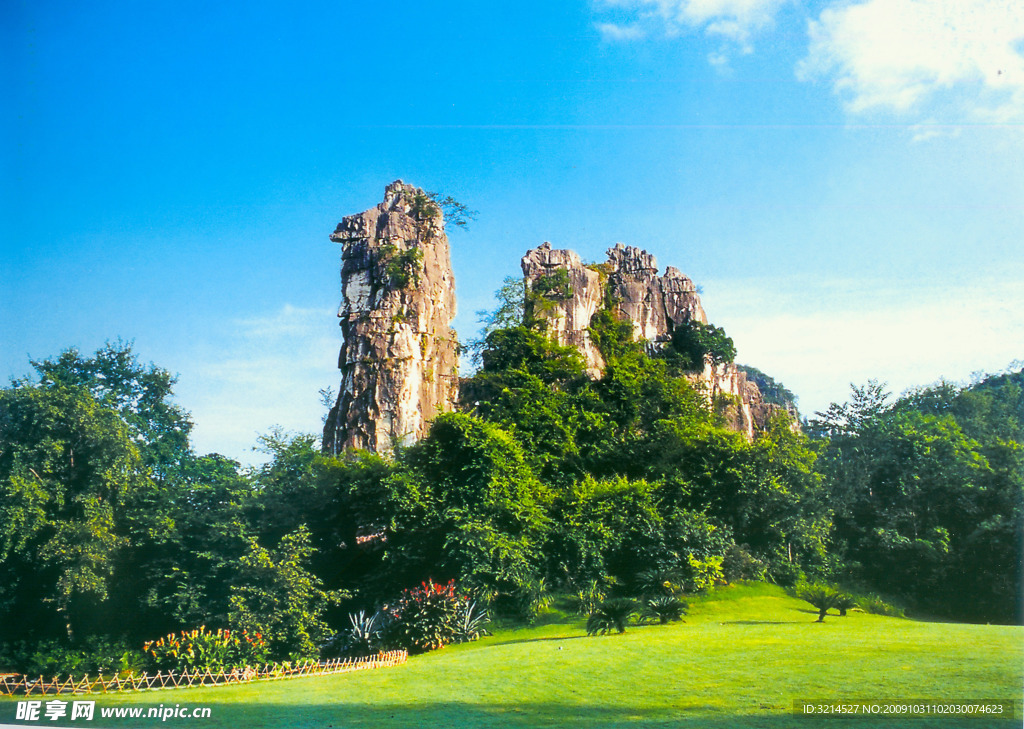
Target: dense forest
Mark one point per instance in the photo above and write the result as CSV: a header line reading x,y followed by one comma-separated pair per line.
x,y
113,531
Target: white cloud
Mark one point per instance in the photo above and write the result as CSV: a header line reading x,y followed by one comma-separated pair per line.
x,y
614,32
735,21
906,336
931,130
907,55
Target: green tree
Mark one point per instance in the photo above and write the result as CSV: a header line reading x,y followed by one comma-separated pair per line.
x,y
197,529
69,468
140,394
508,314
923,508
468,507
696,343
276,596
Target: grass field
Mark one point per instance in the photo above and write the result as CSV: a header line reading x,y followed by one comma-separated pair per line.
x,y
741,659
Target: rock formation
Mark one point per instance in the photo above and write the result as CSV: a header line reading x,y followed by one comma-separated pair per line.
x,y
567,312
399,357
571,293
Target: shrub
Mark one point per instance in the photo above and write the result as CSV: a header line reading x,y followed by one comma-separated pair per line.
x,y
877,606
696,343
51,658
612,615
279,599
401,266
587,599
524,601
704,573
844,601
665,608
426,618
201,650
785,574
660,582
739,564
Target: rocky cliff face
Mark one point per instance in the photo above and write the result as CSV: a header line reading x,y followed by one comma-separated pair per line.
x,y
399,358
577,294
655,305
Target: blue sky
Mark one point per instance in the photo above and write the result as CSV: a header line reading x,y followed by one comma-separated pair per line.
x,y
845,180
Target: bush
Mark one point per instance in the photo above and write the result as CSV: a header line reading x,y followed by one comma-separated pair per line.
x,y
739,564
202,650
613,614
785,574
277,597
659,582
426,618
51,658
401,266
587,599
696,343
877,606
844,601
704,573
665,608
524,601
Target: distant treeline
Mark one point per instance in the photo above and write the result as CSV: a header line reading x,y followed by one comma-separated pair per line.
x,y
111,526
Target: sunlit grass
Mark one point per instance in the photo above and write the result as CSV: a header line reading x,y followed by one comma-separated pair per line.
x,y
742,657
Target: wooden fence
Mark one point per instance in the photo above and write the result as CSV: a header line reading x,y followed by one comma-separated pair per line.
x,y
11,685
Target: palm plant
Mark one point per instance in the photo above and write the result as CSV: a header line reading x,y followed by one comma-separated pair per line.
x,y
820,596
612,615
844,601
659,582
665,608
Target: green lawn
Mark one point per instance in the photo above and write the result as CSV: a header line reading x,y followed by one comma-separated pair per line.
x,y
742,657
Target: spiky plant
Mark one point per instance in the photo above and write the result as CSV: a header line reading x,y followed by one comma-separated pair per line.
x,y
472,621
364,637
612,615
660,582
844,601
665,608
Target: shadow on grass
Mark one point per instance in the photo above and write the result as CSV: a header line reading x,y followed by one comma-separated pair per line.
x,y
764,622
539,639
477,716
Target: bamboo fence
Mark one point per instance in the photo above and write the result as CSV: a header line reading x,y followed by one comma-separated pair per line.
x,y
19,685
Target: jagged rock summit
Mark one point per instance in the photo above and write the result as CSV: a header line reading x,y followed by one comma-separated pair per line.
x,y
399,357
654,304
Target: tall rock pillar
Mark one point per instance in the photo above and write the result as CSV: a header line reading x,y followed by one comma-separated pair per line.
x,y
399,357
